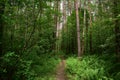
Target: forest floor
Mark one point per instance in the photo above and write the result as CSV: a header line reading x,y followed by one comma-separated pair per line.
x,y
60,73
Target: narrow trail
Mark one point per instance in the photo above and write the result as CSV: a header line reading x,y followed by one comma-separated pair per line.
x,y
60,74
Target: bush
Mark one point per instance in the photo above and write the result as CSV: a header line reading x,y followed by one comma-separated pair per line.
x,y
88,68
15,68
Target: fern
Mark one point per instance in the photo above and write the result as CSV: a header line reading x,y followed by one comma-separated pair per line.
x,y
88,68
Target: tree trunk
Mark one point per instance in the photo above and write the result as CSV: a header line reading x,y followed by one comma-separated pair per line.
x,y
2,6
117,28
55,24
58,28
70,7
90,24
86,30
64,13
78,28
84,22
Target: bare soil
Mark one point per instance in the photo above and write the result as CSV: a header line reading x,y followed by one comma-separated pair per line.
x,y
60,73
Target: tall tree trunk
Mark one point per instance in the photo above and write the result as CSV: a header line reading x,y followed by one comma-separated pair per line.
x,y
84,22
64,13
56,23
78,28
70,7
86,30
117,28
56,17
64,20
2,6
58,27
90,24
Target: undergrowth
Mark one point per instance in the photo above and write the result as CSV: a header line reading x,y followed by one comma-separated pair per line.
x,y
30,67
46,68
92,67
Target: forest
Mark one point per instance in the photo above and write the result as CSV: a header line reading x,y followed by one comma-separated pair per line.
x,y
59,39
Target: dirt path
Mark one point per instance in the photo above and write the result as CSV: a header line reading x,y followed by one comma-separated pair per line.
x,y
60,74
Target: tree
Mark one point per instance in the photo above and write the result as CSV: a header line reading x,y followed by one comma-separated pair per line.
x,y
78,28
2,6
116,13
90,25
85,26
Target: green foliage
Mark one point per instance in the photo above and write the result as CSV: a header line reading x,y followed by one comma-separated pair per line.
x,y
15,68
28,68
27,40
46,67
49,77
89,68
69,34
103,42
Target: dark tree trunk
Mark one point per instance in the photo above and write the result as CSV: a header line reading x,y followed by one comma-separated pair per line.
x,y
55,23
2,6
86,31
117,28
90,25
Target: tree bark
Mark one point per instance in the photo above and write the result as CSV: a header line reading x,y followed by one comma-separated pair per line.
x,y
86,30
117,28
83,33
70,7
78,28
56,3
90,24
2,6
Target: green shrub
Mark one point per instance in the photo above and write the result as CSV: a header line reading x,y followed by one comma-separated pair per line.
x,y
15,68
87,68
44,66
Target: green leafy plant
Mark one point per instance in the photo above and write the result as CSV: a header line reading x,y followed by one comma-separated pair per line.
x,y
87,68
